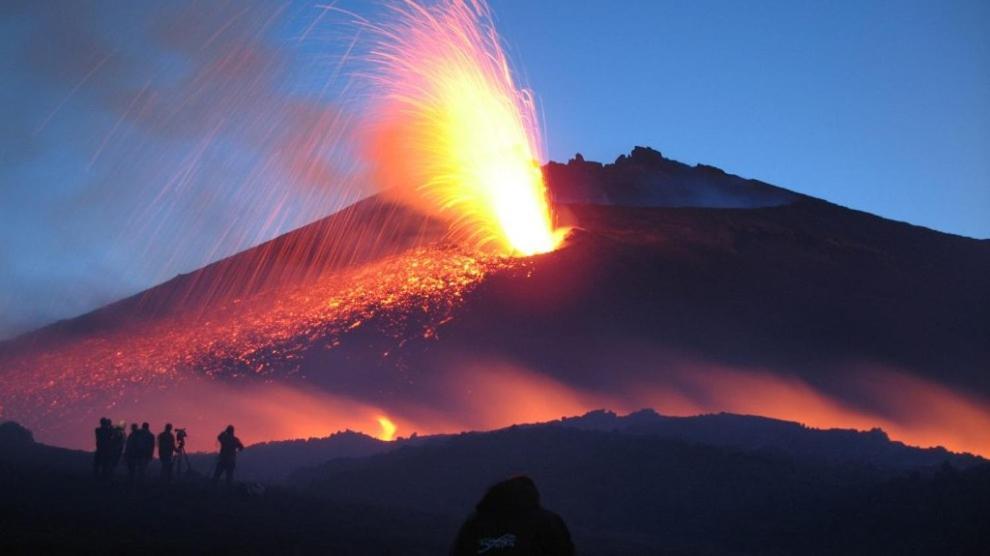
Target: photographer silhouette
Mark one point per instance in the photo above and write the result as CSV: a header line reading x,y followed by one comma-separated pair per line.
x,y
166,451
226,461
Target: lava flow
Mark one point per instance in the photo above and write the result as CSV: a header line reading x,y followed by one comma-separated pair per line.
x,y
265,336
452,134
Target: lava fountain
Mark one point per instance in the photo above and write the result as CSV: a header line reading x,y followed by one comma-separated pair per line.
x,y
451,133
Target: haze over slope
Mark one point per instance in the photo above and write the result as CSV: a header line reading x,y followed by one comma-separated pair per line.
x,y
784,306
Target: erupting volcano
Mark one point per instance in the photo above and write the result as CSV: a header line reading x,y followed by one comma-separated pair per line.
x,y
450,301
453,145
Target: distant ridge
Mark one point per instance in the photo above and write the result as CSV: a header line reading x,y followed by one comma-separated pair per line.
x,y
275,461
762,434
645,178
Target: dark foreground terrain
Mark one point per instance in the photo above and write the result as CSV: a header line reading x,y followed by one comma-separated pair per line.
x,y
639,487
65,513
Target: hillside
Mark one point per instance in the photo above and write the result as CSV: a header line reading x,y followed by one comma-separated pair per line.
x,y
773,436
624,492
801,310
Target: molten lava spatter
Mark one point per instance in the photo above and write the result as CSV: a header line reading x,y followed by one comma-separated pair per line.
x,y
261,337
453,134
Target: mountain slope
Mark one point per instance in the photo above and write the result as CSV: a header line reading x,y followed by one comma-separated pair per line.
x,y
636,490
804,311
362,233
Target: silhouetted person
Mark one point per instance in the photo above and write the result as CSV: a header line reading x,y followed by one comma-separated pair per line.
x,y
166,451
116,447
103,457
147,449
229,446
510,520
132,452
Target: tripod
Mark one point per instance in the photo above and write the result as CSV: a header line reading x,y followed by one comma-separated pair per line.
x,y
182,457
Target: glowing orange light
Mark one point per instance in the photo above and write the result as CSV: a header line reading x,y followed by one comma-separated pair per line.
x,y
388,428
454,135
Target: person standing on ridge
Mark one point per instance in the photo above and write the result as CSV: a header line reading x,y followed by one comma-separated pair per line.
x,y
102,457
116,447
166,451
147,450
227,460
132,453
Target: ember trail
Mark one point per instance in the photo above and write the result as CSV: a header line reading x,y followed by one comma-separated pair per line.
x,y
453,134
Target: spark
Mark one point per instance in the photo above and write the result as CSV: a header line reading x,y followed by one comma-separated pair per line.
x,y
72,92
120,120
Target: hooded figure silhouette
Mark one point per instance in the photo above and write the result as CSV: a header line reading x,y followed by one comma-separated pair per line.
x,y
227,460
510,520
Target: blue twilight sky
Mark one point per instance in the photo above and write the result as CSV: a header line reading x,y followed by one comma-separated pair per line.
x,y
141,139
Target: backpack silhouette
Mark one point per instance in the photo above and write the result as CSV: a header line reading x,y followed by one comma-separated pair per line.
x,y
510,521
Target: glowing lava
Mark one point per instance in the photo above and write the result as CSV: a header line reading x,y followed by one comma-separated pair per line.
x,y
388,428
407,297
453,135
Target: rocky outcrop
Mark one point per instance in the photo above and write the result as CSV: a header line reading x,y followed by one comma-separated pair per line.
x,y
646,178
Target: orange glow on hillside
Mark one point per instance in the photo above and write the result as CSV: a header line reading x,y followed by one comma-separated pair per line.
x,y
454,136
927,414
484,395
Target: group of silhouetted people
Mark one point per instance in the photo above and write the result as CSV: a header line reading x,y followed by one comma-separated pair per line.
x,y
509,519
137,449
109,449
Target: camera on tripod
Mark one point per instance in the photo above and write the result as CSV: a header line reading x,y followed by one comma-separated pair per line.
x,y
184,466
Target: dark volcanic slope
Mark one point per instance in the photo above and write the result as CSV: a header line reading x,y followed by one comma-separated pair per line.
x,y
804,285
801,310
773,436
847,302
